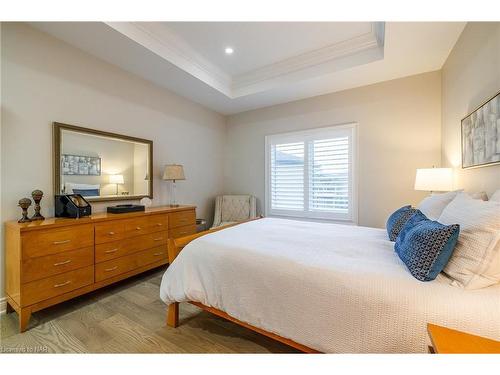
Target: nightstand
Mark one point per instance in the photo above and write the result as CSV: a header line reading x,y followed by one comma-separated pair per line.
x,y
449,341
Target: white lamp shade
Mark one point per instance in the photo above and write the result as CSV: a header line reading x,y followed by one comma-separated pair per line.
x,y
173,172
116,179
434,179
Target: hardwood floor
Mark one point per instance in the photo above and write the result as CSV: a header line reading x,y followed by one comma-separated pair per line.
x,y
129,317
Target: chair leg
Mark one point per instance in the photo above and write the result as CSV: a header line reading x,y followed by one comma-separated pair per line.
x,y
173,315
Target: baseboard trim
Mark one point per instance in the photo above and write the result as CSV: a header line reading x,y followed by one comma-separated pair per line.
x,y
3,305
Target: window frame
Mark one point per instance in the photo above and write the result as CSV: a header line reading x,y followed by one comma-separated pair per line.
x,y
349,129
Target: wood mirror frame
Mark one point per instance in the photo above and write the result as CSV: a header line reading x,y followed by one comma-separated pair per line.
x,y
57,130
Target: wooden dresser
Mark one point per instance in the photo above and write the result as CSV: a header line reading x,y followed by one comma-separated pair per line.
x,y
54,260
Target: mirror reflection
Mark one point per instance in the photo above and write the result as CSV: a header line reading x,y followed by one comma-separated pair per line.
x,y
100,166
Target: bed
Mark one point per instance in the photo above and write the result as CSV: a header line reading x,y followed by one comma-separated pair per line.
x,y
327,287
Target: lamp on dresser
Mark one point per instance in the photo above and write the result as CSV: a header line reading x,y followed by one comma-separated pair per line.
x,y
116,179
173,172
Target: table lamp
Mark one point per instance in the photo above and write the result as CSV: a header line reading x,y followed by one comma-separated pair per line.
x,y
173,172
116,179
434,179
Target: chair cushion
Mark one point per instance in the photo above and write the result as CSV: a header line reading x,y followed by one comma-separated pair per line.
x,y
397,220
425,246
235,208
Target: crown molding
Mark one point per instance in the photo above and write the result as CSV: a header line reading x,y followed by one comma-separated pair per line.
x,y
350,47
159,39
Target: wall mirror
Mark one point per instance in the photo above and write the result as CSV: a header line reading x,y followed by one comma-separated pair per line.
x,y
101,166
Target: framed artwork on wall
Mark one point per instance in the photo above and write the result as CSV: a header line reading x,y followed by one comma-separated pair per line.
x,y
77,165
481,135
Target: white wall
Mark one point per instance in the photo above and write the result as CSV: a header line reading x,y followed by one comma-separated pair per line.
x,y
399,130
470,76
46,80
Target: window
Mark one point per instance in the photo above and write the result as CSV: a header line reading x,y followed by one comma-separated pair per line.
x,y
310,174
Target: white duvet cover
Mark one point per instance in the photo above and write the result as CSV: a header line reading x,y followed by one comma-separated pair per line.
x,y
334,288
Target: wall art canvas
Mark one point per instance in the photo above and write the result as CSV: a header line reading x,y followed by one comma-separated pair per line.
x,y
481,135
76,165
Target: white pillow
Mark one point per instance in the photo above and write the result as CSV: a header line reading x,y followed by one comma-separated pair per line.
x,y
475,262
479,195
433,205
496,196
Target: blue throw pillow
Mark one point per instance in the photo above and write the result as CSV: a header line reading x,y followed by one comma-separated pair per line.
x,y
425,246
397,220
87,192
416,218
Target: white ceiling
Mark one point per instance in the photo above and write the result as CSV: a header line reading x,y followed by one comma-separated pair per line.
x,y
272,63
257,44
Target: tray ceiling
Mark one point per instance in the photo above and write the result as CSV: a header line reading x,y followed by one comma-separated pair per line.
x,y
273,62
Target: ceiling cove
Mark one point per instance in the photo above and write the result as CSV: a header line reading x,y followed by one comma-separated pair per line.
x,y
359,48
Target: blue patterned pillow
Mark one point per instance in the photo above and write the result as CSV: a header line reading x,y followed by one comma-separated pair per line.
x,y
414,219
397,220
425,246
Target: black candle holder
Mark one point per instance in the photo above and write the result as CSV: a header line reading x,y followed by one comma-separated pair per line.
x,y
37,197
24,203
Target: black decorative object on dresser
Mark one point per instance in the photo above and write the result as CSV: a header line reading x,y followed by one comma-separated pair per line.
x,y
24,203
72,206
37,197
124,208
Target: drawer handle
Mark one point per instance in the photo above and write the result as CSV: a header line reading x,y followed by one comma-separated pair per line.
x,y
183,220
158,239
138,228
183,232
111,251
111,233
63,284
159,224
61,263
61,242
111,269
157,254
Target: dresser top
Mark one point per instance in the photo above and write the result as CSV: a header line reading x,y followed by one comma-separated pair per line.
x,y
54,222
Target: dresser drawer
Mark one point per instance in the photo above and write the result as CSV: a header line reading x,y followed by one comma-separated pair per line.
x,y
40,290
130,262
152,256
182,231
114,267
107,232
45,242
147,224
116,249
158,223
182,218
49,265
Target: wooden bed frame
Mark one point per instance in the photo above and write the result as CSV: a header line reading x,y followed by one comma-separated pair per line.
x,y
174,248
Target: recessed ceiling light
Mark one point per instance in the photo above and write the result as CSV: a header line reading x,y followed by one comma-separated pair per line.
x,y
229,51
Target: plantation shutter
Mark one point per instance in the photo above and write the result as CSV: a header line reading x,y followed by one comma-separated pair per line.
x,y
287,176
329,175
310,174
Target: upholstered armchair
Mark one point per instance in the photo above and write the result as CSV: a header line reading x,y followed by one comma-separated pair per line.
x,y
230,209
